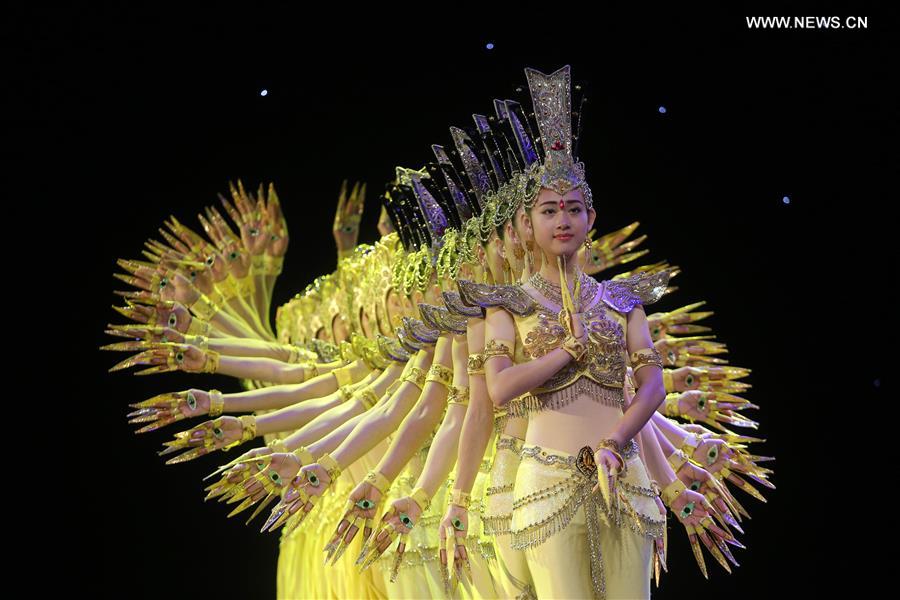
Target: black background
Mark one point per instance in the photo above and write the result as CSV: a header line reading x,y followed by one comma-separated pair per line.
x,y
146,113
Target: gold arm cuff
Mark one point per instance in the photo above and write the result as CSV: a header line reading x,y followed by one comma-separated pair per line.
x,y
689,445
212,362
246,285
416,376
667,380
421,497
677,459
258,264
378,481
216,403
497,348
203,307
342,375
329,464
393,387
440,374
346,392
216,297
201,341
227,288
458,395
645,357
460,498
672,491
475,364
671,406
305,456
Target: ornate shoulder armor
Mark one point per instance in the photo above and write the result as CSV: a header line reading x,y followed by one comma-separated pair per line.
x,y
456,307
440,318
420,330
511,297
392,349
644,288
407,342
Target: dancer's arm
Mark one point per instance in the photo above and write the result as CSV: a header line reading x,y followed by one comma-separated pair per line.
x,y
505,379
478,423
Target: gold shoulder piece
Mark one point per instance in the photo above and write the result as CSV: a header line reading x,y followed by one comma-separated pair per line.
x,y
511,297
644,288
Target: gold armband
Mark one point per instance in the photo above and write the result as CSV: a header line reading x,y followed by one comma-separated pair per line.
x,y
330,465
216,403
497,348
672,491
203,307
645,356
378,481
342,375
440,374
458,395
366,397
310,370
460,498
676,459
416,376
689,444
420,497
227,288
305,456
216,297
475,364
277,445
212,362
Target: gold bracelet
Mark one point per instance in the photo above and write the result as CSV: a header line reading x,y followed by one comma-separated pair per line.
x,y
475,364
277,445
420,497
346,392
672,491
248,427
199,341
305,456
644,357
378,481
671,406
212,362
393,387
198,326
274,264
216,403
342,375
258,263
227,288
460,498
310,367
416,376
246,285
367,397
458,395
329,464
203,307
440,374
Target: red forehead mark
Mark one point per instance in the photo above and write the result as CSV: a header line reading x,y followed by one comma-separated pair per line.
x,y
562,204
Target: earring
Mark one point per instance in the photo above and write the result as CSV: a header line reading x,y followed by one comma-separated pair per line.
x,y
529,255
507,272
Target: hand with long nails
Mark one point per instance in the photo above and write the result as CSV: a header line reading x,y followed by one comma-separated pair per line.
x,y
278,229
164,357
235,472
148,333
452,531
690,351
158,314
611,249
711,408
348,216
249,214
168,408
700,480
609,468
263,478
694,510
716,379
217,434
299,498
360,510
394,526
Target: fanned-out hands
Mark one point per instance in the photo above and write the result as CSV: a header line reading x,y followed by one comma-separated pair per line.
x,y
609,250
360,509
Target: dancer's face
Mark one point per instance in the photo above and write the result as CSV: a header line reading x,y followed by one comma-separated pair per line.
x,y
560,231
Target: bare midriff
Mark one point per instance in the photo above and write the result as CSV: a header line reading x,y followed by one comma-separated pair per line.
x,y
582,422
516,427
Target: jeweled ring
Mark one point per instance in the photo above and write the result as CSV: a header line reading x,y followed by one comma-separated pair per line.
x,y
404,518
458,524
312,478
365,504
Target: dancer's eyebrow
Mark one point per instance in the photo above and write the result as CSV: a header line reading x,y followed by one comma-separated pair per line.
x,y
557,201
